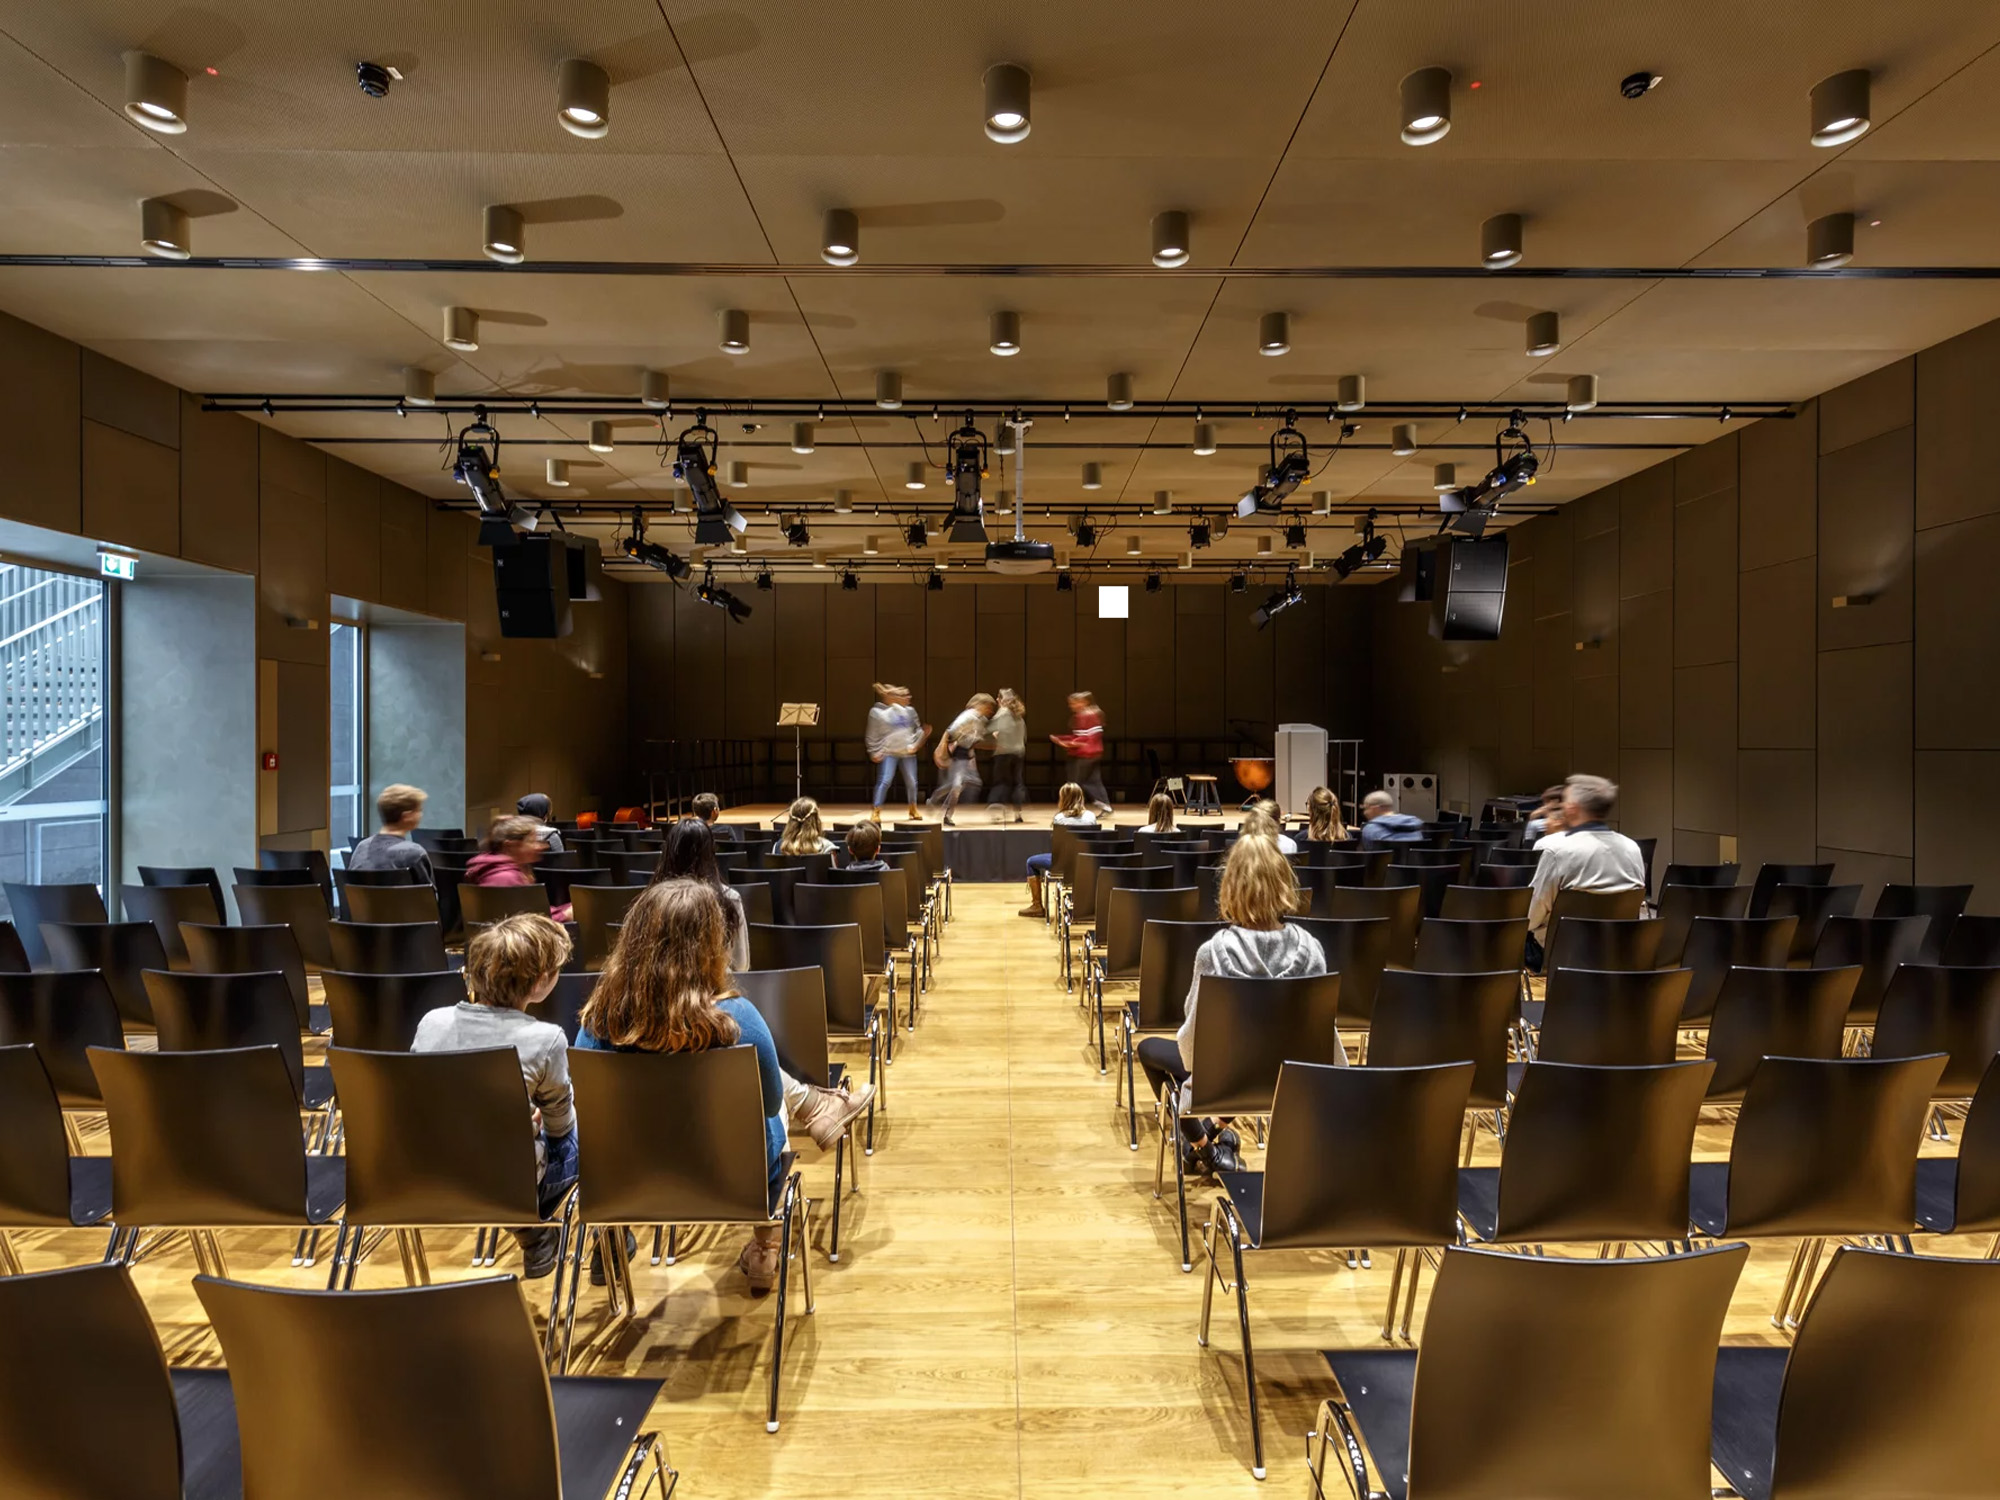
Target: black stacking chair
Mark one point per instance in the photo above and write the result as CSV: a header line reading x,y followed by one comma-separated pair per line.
x,y
1961,1194
817,864
1317,883
1113,954
42,1186
1357,949
757,904
1124,872
782,884
32,905
1424,1019
1823,1148
1879,945
379,1012
63,1016
1770,877
226,1012
900,931
254,950
436,1390
1943,904
1355,1156
1506,856
1449,1419
1611,1017
1589,906
1881,1322
294,907
1591,943
313,861
1814,906
1485,903
1079,904
202,1141
793,1004
283,875
635,867
1711,875
392,903
1399,904
1166,969
1595,1155
13,957
1432,881
166,907
598,911
678,1138
860,907
1246,1030
1450,947
88,1406
203,875
387,947
442,838
1774,1012
560,882
121,951
1504,876
1972,942
1208,892
1681,905
853,1011
1928,1009
1715,945
487,904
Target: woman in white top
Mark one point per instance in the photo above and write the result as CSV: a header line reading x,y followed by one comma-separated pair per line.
x,y
1070,813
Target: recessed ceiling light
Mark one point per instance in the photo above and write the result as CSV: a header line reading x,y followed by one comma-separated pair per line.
x,y
1274,334
1840,108
1004,333
1007,89
1170,239
1544,334
600,438
1426,106
155,94
163,230
419,386
739,474
1830,242
840,237
583,98
733,336
461,329
843,502
1118,392
1500,242
888,390
1581,394
505,238
1403,439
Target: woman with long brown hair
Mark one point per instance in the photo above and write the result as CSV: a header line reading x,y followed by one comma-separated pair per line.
x,y
1324,824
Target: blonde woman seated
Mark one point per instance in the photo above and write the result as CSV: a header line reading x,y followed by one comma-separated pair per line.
x,y
802,831
1070,813
1160,814
1324,824
1262,822
1258,890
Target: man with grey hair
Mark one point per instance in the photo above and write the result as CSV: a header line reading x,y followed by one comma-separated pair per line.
x,y
1382,824
1590,857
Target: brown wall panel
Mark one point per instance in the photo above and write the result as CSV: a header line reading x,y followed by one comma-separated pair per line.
x,y
1958,822
1958,635
1865,540
1777,493
1705,579
1645,675
1551,564
448,541
291,576
131,490
1777,807
1705,470
40,406
799,660
218,489
1100,663
1200,661
899,643
402,561
1705,748
749,688
353,531
1646,796
1957,411
1594,601
1878,402
699,691
1555,659
1779,646
1868,870
1299,647
1249,683
119,396
302,747
1594,746
1646,532
1149,664
1865,750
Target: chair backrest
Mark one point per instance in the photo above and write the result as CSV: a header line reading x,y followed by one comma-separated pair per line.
x,y
13,957
858,906
249,950
437,1391
1505,876
1208,891
909,863
32,905
757,905
219,1012
1399,904
1502,1324
1814,906
1770,877
1943,904
675,1137
1972,941
563,1006
793,1004
377,1012
164,875
598,911
1063,844
1166,969
1600,1153
391,903
1470,947
1247,1029
781,883
62,1016
1715,945
436,1137
313,861
1594,906
1765,1012
387,947
1423,1019
298,907
203,1139
1506,856
1681,905
1879,945
34,1152
1978,1189
1363,1156
1083,882
1929,1008
121,950
1686,874
1122,919
1130,877
815,863
1828,1146
495,903
86,1404
559,882
394,875
1612,1017
836,950
1357,949
1485,903
263,875
166,907
1431,881
1595,943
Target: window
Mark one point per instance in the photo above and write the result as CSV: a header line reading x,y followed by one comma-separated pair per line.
x,y
347,764
54,791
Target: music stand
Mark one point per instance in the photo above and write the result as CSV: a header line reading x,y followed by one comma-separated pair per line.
x,y
796,716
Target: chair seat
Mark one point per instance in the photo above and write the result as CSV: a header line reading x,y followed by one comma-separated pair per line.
x,y
1937,1193
1378,1385
89,1190
319,1087
1743,1439
1531,1013
1479,1199
598,1419
326,1187
1516,1071
319,1019
1708,1196
1246,1194
211,1452
1131,1008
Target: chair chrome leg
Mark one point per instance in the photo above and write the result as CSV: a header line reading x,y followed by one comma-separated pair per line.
x,y
1249,1359
580,1239
551,1332
1395,1286
1797,1310
1101,1067
1410,1300
659,1238
805,1238
1208,1281
839,1162
673,1244
1180,1191
778,1323
1791,1284
1131,1082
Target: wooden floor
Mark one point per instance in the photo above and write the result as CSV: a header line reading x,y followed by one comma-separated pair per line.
x,y
1008,1316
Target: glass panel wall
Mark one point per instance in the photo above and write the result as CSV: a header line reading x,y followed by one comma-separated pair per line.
x,y
347,764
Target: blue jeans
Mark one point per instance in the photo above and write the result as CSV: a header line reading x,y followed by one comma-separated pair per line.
x,y
1038,864
558,1170
885,772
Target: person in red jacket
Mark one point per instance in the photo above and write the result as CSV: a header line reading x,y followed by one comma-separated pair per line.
x,y
507,856
1084,745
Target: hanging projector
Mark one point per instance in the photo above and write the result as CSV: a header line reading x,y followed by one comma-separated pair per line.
x,y
1020,555
716,521
1291,463
968,467
477,466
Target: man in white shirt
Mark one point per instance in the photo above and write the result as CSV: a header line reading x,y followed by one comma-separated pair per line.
x,y
1588,857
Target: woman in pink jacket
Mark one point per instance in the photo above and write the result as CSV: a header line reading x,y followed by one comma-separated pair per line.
x,y
507,856
1084,745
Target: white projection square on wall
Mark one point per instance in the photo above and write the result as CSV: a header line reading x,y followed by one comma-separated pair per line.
x,y
1114,601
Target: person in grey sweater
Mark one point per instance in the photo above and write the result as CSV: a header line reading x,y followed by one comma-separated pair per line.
x,y
508,967
1008,729
1258,889
401,809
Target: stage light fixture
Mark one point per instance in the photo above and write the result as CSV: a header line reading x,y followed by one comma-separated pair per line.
x,y
1093,476
934,581
797,532
1239,583
1500,242
1581,394
476,465
888,390
708,591
1295,534
1086,534
716,520
967,463
1204,438
802,437
1274,334
764,579
557,472
639,550
419,386
1007,96
1353,396
733,331
504,236
155,94
583,98
1063,583
1544,334
461,329
653,389
601,440
1154,583
840,237
1290,465
1830,242
1170,239
1426,106
1118,391
1004,333
1839,108
163,230
849,579
917,535
913,476
1199,533
1403,439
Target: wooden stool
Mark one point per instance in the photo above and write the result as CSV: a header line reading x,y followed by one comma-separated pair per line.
x,y
1201,795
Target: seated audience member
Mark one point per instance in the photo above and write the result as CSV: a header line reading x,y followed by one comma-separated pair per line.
x,y
1324,824
665,988
1588,857
1538,821
1070,813
536,805
507,856
1261,821
1553,828
401,809
1257,892
1160,814
802,831
709,810
510,966
864,847
1382,824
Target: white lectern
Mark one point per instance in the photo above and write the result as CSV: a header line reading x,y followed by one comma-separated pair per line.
x,y
1301,756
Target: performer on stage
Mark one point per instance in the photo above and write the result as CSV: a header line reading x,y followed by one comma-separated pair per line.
x,y
957,757
1084,745
1008,729
895,734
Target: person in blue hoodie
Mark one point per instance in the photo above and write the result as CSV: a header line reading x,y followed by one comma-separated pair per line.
x,y
1382,824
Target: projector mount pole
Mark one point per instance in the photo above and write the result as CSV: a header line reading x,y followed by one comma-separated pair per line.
x,y
1020,424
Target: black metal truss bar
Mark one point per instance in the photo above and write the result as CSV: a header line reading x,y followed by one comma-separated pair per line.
x,y
1163,446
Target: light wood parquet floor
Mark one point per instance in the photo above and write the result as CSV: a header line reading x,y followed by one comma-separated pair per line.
x,y
1008,1316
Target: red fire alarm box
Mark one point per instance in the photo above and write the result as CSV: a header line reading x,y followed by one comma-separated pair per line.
x,y
270,759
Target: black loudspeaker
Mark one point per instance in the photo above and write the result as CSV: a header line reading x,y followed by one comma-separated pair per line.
x,y
586,568
1418,583
1471,595
531,583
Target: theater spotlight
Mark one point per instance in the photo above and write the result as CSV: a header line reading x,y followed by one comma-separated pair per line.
x,y
1277,602
764,579
797,532
639,550
1063,583
1239,583
968,466
1086,534
917,535
1199,532
1291,463
1154,583
715,519
1295,534
476,465
935,581
710,592
849,579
